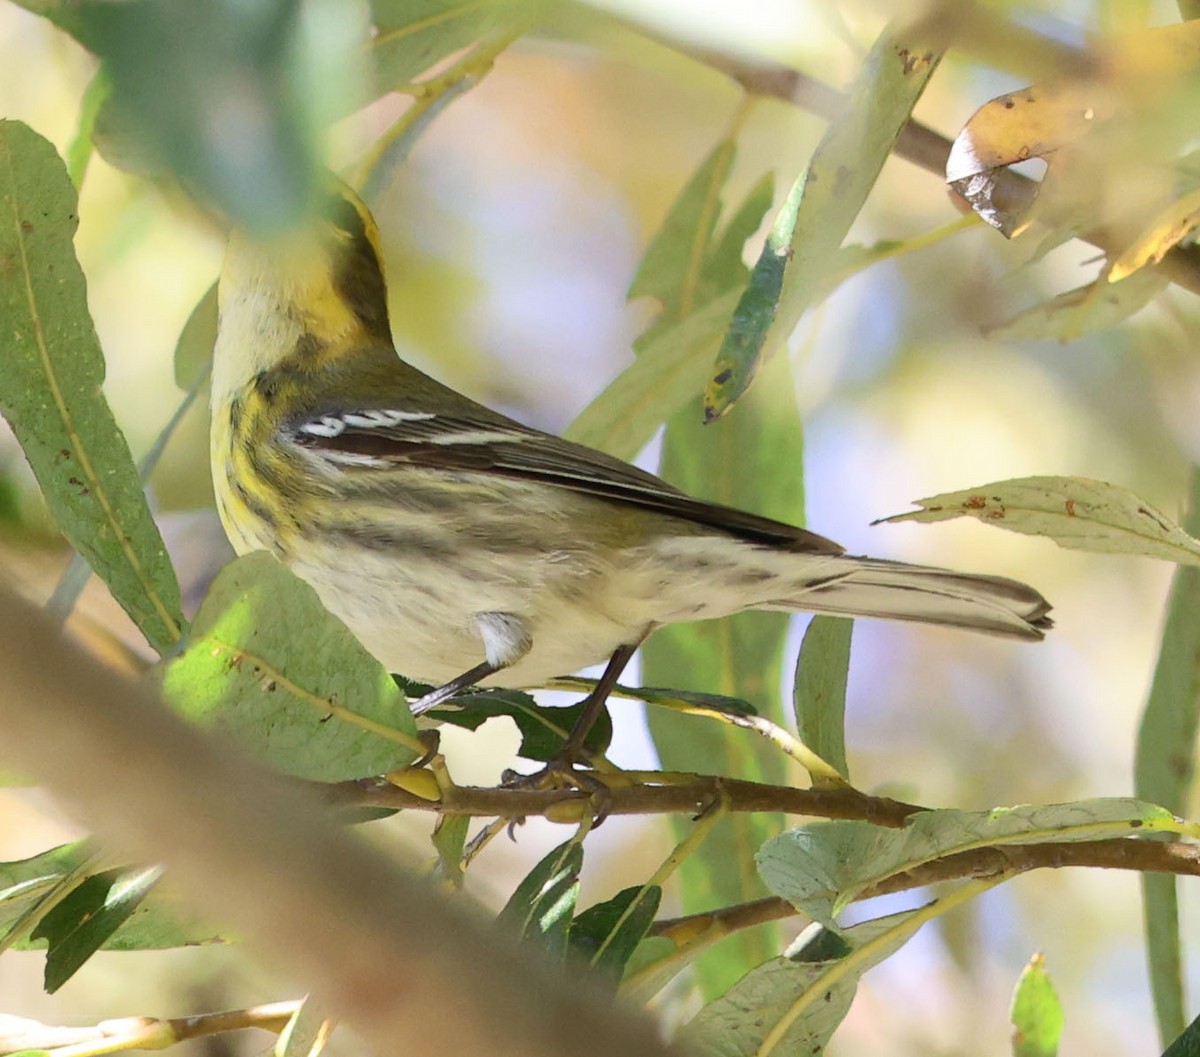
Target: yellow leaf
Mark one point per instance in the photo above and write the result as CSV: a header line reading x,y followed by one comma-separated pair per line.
x,y
1171,225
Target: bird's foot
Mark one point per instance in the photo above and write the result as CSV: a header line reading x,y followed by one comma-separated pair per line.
x,y
563,772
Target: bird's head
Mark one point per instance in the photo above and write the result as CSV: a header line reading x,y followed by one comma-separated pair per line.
x,y
318,288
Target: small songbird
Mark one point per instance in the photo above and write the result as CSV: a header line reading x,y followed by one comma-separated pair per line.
x,y
462,547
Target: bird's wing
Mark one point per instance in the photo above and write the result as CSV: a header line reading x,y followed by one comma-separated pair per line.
x,y
378,436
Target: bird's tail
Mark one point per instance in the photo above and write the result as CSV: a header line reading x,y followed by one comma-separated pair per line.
x,y
872,587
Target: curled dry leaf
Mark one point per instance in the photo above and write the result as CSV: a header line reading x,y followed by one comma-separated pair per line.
x,y
1132,78
1073,511
1031,123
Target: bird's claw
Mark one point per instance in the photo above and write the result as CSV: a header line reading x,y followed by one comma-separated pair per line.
x,y
562,772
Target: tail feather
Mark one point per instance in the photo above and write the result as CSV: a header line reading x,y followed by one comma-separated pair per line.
x,y
872,587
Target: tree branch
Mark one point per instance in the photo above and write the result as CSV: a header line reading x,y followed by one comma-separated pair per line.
x,y
650,794
1124,853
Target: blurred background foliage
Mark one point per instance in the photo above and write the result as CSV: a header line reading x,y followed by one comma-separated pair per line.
x,y
512,232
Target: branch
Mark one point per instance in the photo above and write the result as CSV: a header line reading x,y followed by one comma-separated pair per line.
x,y
379,947
630,793
1125,853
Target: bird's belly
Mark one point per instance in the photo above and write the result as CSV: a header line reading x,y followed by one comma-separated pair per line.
x,y
419,617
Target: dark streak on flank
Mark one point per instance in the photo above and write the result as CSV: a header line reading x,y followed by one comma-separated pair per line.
x,y
271,473
383,538
255,506
235,415
750,577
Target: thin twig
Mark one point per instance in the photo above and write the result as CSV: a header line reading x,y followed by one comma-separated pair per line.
x,y
137,1033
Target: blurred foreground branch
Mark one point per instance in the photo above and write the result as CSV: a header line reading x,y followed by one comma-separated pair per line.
x,y
408,969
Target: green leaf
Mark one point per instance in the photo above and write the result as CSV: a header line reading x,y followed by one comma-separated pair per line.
x,y
76,575
450,842
194,349
157,923
79,150
67,15
655,962
51,372
823,867
1085,310
607,933
177,68
724,268
792,1004
751,461
543,729
673,263
819,210
820,689
413,35
1165,770
27,881
78,926
267,666
666,375
1188,1042
683,700
1075,512
543,904
1036,1013
695,278
162,923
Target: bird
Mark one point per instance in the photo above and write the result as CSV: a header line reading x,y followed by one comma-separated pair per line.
x,y
465,548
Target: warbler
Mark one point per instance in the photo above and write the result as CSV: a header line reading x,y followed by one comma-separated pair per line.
x,y
462,547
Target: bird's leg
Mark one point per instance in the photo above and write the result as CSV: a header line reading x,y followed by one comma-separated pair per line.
x,y
441,694
506,640
561,768
593,705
